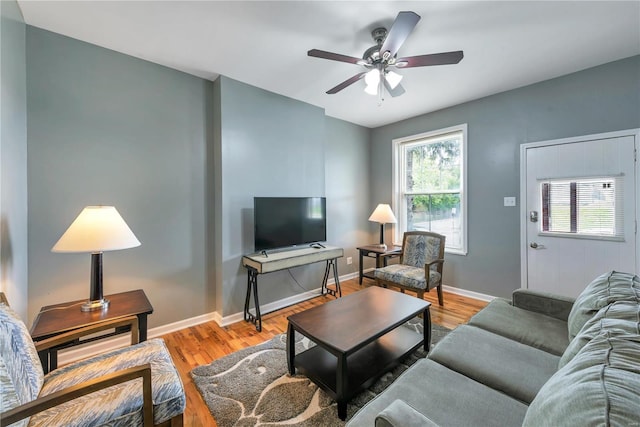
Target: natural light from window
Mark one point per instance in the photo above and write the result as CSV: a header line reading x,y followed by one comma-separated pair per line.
x,y
582,207
429,179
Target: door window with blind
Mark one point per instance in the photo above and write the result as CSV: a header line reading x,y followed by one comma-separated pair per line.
x,y
582,207
430,171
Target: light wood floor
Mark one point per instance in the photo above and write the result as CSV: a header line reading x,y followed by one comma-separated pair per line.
x,y
203,343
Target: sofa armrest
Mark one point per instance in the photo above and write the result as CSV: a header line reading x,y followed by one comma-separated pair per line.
x,y
400,414
549,304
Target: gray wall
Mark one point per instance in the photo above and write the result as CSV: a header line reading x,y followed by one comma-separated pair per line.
x,y
271,145
600,99
13,158
106,128
347,170
181,158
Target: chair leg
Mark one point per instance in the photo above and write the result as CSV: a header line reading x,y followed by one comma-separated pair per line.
x,y
420,294
440,299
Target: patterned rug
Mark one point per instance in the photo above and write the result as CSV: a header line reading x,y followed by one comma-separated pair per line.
x,y
252,387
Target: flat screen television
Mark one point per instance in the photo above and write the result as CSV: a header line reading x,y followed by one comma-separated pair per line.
x,y
288,221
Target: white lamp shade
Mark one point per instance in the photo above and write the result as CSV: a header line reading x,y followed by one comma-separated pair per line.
x,y
371,89
372,79
393,79
383,214
97,229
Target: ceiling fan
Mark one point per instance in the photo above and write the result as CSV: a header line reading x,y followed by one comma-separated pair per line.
x,y
380,59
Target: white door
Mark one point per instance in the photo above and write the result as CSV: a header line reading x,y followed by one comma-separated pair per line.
x,y
580,199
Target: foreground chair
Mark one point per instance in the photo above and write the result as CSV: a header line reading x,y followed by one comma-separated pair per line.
x,y
136,385
420,267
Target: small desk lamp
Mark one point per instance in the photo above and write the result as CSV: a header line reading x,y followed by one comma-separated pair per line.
x,y
95,230
384,215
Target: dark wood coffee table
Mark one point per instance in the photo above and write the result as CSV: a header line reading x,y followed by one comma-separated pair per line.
x,y
358,339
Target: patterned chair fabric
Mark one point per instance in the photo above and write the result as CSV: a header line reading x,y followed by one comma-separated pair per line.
x,y
406,275
419,248
21,375
22,380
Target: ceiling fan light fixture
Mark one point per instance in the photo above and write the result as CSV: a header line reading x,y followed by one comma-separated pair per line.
x,y
371,90
393,79
379,58
372,78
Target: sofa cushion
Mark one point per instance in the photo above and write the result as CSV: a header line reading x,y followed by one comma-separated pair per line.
x,y
445,397
598,387
121,404
399,414
503,364
620,315
602,291
528,327
21,375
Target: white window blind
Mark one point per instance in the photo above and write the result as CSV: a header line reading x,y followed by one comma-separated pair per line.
x,y
583,206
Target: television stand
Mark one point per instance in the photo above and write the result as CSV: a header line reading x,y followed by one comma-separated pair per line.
x,y
260,263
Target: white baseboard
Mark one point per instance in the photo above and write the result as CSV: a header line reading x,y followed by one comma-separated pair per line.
x,y
81,352
273,306
469,294
77,353
457,291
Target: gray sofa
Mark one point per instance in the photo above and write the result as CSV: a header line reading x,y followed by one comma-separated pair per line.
x,y
537,360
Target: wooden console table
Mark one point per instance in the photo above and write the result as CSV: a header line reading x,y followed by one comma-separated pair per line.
x,y
260,263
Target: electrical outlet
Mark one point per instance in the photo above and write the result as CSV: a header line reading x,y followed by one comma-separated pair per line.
x,y
349,260
509,201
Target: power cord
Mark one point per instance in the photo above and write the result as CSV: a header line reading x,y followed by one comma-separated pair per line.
x,y
63,307
294,279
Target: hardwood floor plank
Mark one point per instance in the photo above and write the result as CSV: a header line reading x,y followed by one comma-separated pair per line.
x,y
201,344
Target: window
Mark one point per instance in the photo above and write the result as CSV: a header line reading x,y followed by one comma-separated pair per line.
x,y
429,182
582,207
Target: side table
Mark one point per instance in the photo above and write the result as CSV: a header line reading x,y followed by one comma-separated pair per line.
x,y
53,320
381,254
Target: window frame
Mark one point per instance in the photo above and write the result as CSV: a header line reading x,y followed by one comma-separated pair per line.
x,y
618,217
398,204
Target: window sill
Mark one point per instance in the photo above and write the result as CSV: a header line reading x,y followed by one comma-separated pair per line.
x,y
455,252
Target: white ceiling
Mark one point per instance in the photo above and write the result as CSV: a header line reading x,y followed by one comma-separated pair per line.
x,y
506,44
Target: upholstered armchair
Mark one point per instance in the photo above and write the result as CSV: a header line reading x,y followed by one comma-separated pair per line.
x,y
136,385
420,266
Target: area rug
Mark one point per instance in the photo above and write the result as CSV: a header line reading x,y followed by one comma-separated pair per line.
x,y
252,387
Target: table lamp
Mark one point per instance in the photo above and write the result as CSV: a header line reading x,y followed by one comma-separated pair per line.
x,y
97,229
384,215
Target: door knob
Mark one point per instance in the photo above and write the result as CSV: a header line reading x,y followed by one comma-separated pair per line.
x,y
534,245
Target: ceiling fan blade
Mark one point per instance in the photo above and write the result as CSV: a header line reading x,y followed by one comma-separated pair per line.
x,y
346,83
400,30
333,56
399,90
432,59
